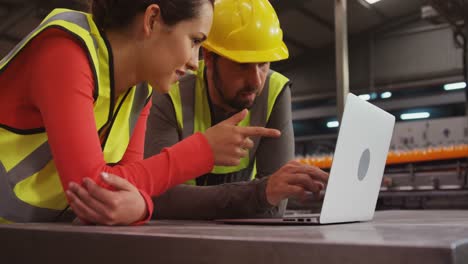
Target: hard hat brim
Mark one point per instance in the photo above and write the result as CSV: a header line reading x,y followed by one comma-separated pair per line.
x,y
248,56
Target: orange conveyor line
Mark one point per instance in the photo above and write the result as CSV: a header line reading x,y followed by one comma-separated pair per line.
x,y
398,157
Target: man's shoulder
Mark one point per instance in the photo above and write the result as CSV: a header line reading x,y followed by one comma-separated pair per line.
x,y
278,83
277,72
187,79
279,76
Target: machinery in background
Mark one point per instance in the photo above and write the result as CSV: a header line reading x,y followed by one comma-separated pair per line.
x,y
427,165
431,169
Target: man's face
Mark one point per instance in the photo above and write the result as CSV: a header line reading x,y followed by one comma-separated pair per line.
x,y
236,84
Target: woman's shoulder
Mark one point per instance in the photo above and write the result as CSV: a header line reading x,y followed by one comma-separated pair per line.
x,y
58,51
54,57
58,41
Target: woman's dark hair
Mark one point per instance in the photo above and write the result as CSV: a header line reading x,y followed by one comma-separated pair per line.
x,y
111,14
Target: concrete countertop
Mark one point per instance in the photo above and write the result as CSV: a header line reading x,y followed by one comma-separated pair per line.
x,y
429,237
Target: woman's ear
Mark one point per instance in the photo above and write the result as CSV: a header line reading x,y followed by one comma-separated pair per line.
x,y
151,18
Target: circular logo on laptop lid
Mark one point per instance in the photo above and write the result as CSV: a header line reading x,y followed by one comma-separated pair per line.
x,y
364,164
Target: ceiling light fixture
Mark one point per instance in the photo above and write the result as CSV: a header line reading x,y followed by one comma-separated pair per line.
x,y
372,1
410,116
366,97
333,124
455,86
386,95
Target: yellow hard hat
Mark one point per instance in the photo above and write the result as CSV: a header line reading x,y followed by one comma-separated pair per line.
x,y
246,31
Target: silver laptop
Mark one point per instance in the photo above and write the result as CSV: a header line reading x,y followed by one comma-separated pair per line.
x,y
357,168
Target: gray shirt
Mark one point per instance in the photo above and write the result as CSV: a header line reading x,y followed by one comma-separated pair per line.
x,y
237,197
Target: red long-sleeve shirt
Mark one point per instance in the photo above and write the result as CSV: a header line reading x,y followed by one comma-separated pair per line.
x,y
50,84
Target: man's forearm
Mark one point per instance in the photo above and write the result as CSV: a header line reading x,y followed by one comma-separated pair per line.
x,y
231,200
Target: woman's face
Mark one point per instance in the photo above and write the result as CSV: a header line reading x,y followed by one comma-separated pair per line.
x,y
171,51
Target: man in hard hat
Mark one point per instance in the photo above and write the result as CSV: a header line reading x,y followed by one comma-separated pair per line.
x,y
234,75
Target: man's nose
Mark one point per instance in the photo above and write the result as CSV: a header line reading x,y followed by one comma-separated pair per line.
x,y
254,75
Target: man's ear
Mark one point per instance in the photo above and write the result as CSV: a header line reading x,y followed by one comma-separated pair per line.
x,y
151,18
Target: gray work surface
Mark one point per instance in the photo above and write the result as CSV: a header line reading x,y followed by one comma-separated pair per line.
x,y
427,237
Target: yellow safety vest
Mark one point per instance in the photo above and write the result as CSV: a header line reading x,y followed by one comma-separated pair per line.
x,y
192,109
30,188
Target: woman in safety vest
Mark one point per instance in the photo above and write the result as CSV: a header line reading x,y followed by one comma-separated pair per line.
x,y
75,99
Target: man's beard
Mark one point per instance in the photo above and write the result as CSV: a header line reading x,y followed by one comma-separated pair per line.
x,y
236,102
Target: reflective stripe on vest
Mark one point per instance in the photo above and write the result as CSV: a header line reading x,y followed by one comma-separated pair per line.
x,y
30,188
189,98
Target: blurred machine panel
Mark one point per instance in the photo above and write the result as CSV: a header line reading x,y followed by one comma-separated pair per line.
x,y
430,133
427,166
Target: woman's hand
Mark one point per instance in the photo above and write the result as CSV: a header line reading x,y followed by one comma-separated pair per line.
x,y
95,204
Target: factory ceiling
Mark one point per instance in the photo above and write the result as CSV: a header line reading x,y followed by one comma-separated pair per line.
x,y
307,24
